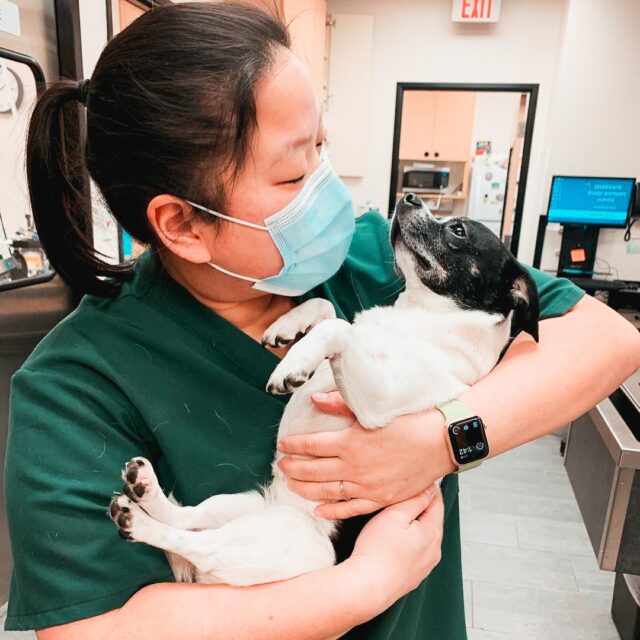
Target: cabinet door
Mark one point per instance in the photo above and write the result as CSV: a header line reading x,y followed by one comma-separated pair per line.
x,y
416,129
453,125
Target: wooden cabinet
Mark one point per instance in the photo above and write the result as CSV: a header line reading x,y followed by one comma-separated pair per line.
x,y
307,26
418,119
437,125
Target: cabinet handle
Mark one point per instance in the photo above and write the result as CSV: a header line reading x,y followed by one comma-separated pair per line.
x,y
426,154
436,154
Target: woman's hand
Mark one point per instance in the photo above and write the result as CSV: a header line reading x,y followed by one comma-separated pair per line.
x,y
400,546
378,467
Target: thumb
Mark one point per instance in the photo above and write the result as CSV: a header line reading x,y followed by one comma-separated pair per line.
x,y
412,508
331,403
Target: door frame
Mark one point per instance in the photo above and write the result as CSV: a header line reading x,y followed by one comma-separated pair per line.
x,y
531,89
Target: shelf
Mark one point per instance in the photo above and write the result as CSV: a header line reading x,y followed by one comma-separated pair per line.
x,y
434,196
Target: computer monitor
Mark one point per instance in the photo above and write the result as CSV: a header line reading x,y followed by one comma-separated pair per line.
x,y
601,202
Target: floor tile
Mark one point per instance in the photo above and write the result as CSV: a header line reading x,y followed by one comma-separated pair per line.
x,y
524,567
539,614
481,634
488,528
13,635
590,577
526,552
553,535
468,602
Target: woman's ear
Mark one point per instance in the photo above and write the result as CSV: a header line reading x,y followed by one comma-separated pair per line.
x,y
177,228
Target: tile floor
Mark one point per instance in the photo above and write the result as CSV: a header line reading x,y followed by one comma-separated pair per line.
x,y
530,573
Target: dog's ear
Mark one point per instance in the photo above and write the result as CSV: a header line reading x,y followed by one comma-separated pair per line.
x,y
523,299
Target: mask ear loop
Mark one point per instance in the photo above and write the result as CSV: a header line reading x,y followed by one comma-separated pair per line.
x,y
229,218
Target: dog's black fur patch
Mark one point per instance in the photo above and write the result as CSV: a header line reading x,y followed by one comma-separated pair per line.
x,y
463,260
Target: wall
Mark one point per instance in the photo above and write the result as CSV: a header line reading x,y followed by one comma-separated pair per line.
x,y
594,128
415,41
495,120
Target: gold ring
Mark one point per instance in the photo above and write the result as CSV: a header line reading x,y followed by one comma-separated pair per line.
x,y
343,492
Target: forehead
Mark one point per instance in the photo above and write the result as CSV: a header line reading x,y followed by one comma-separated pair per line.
x,y
288,112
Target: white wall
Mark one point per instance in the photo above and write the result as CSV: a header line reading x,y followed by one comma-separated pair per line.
x,y
495,119
594,127
415,41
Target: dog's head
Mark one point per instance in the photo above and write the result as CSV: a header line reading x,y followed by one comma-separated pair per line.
x,y
463,263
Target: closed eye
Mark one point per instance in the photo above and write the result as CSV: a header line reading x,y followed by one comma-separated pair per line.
x,y
294,181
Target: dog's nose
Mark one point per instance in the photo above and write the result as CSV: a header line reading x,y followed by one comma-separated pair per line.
x,y
413,200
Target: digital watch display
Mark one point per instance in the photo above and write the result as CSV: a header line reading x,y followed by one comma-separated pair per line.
x,y
468,440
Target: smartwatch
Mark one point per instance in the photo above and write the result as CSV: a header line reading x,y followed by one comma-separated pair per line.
x,y
466,435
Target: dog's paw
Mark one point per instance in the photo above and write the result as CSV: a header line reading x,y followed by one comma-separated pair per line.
x,y
283,332
140,481
125,514
295,324
292,372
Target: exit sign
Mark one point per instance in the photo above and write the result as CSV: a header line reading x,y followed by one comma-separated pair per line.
x,y
476,11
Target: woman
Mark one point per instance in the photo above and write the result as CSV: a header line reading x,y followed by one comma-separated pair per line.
x,y
194,110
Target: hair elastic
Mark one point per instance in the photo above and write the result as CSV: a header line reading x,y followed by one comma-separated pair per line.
x,y
83,91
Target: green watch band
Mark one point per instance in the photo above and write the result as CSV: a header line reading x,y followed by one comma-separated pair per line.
x,y
455,410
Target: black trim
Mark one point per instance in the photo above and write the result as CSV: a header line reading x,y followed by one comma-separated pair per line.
x,y
531,89
69,42
109,8
26,282
32,63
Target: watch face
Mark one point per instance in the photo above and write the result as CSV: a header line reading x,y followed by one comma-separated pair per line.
x,y
468,440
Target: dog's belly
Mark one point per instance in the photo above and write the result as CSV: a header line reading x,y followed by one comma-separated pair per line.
x,y
301,415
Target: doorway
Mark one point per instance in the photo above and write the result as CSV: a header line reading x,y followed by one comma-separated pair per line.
x,y
465,150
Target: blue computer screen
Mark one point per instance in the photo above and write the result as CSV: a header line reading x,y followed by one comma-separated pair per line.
x,y
597,201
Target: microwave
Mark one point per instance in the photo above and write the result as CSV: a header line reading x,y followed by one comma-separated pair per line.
x,y
425,178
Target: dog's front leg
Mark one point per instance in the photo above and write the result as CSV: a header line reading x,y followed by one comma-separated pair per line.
x,y
324,341
298,322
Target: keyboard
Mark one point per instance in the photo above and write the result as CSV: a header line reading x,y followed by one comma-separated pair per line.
x,y
598,284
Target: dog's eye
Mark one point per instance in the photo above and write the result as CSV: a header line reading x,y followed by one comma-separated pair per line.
x,y
458,230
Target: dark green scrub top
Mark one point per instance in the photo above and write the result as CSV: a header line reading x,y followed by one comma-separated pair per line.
x,y
153,372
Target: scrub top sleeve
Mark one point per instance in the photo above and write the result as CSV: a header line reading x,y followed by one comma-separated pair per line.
x,y
70,434
557,295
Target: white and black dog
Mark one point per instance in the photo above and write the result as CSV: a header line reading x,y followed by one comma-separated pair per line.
x,y
445,332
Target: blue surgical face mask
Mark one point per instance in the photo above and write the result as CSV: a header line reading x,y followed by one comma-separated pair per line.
x,y
313,234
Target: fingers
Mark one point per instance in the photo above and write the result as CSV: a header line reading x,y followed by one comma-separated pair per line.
x,y
433,515
325,444
313,470
413,508
346,509
323,491
331,403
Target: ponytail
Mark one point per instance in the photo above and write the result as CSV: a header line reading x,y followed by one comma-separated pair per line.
x,y
59,192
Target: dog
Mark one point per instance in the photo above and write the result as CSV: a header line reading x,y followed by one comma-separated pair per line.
x,y
464,292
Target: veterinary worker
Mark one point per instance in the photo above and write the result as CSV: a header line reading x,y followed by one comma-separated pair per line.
x,y
204,138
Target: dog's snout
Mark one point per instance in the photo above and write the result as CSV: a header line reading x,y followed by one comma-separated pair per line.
x,y
413,200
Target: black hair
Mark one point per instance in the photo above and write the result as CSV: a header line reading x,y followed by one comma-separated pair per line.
x,y
170,109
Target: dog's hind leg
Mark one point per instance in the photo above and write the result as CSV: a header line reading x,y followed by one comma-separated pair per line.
x,y
276,543
141,486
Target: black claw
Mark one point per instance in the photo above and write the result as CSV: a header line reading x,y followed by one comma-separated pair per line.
x,y
138,489
128,491
113,508
293,382
124,534
132,474
122,520
140,462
